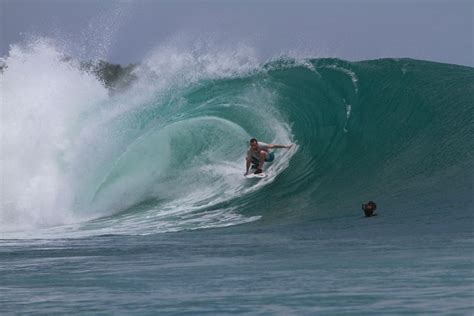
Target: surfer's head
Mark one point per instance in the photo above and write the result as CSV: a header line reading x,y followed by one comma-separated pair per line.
x,y
253,143
369,208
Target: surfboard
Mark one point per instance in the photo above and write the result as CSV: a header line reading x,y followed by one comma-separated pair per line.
x,y
253,175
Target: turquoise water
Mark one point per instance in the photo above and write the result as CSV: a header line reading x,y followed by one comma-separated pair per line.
x,y
135,202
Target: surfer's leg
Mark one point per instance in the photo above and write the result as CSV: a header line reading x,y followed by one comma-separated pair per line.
x,y
270,157
263,156
255,163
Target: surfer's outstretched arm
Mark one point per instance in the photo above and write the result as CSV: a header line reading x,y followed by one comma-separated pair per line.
x,y
279,146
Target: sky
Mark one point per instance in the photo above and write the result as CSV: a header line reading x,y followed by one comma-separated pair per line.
x,y
124,31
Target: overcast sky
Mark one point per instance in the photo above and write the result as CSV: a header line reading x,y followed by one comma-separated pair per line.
x,y
126,31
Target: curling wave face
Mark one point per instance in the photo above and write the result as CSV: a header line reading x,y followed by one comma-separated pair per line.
x,y
157,157
168,153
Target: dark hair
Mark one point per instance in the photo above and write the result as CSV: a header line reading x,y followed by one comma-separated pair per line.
x,y
253,140
372,204
369,208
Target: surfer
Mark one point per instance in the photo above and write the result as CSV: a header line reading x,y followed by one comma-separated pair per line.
x,y
369,209
259,153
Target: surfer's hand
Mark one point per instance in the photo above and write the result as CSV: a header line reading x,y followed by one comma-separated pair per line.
x,y
289,146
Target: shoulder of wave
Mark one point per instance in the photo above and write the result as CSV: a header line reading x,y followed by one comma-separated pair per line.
x,y
408,60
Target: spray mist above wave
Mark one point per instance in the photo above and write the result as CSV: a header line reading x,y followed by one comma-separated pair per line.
x,y
42,97
71,152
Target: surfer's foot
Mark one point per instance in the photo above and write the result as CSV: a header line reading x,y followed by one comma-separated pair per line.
x,y
258,171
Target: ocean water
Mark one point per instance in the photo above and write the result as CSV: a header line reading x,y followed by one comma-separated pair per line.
x,y
134,202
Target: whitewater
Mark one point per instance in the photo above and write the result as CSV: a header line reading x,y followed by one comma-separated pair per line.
x,y
83,154
134,200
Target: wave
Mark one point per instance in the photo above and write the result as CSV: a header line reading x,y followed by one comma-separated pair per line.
x,y
167,152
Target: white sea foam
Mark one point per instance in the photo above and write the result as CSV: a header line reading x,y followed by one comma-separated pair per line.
x,y
42,96
348,114
71,153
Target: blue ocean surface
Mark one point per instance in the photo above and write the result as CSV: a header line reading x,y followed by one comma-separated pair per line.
x,y
134,202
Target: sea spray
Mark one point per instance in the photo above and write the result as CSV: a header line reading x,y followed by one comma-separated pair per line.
x,y
72,152
42,96
167,153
